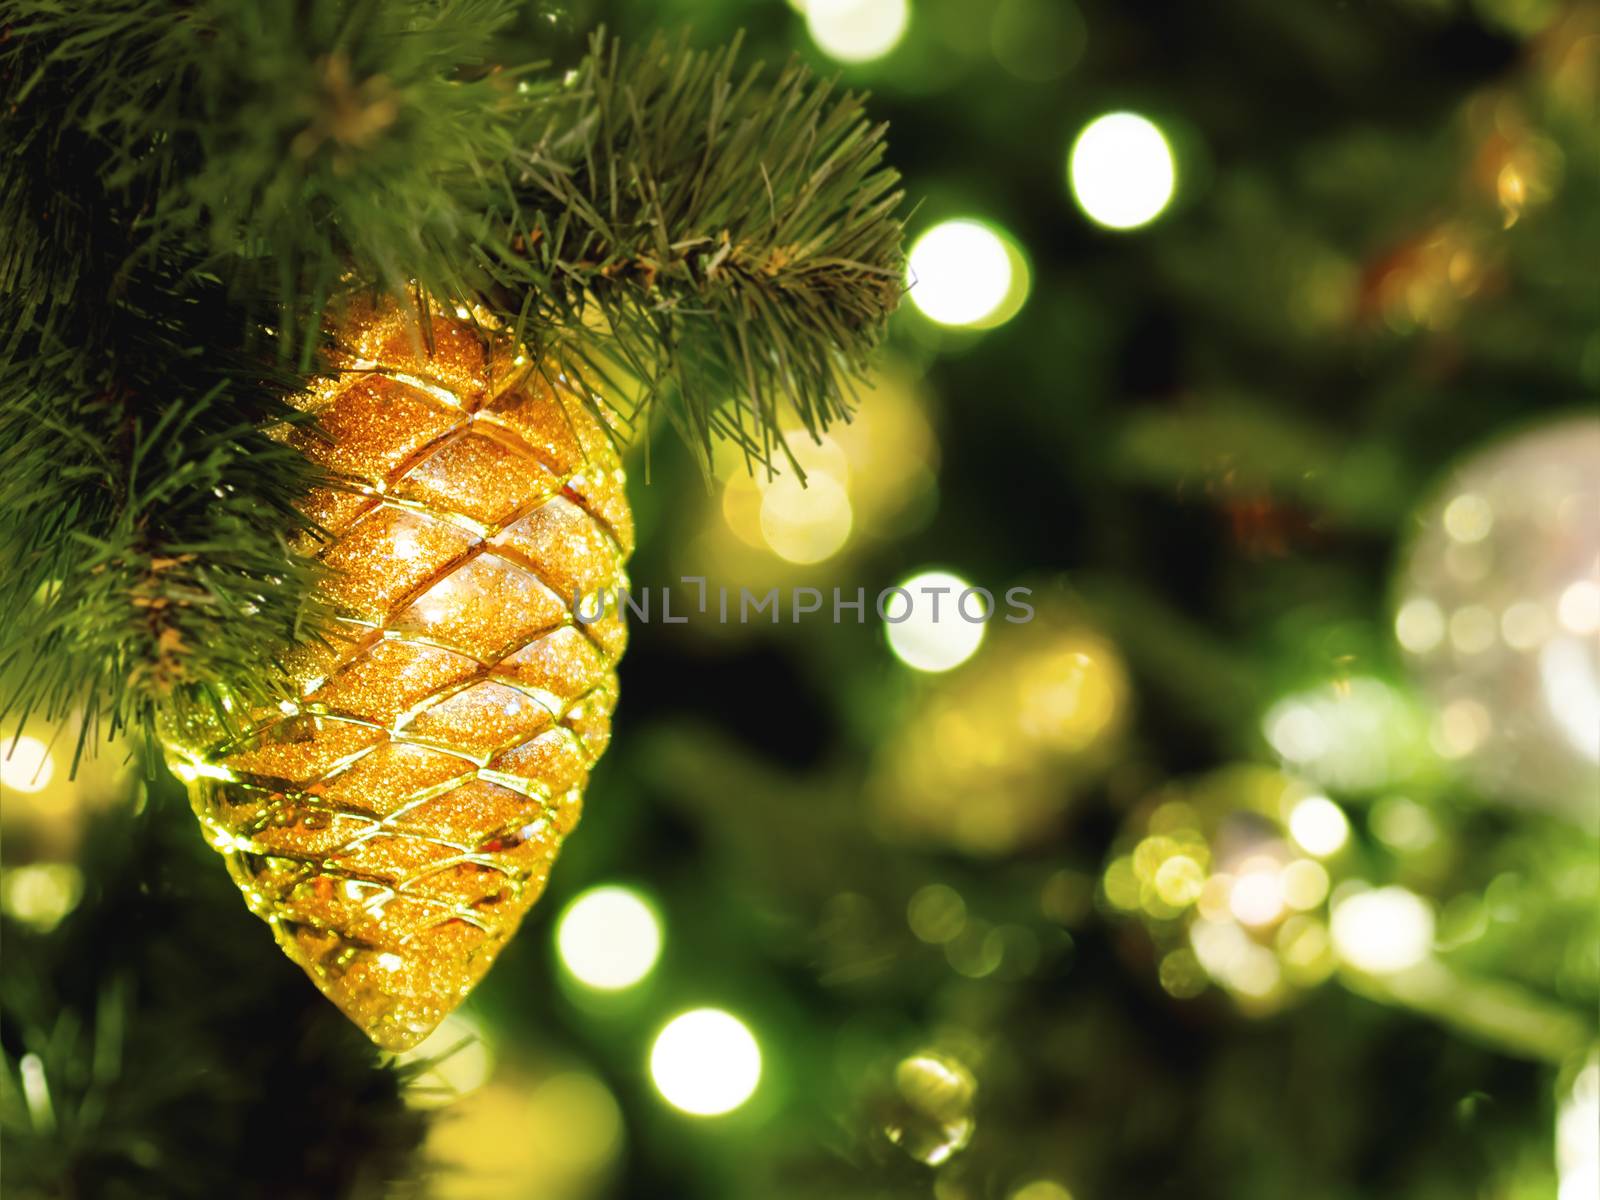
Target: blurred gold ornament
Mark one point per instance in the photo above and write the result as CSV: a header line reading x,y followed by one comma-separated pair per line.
x,y
992,754
395,824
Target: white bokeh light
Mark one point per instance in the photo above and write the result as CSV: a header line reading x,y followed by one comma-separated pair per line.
x,y
609,938
935,636
854,31
25,764
960,273
1319,826
1383,931
452,1061
1578,1135
705,1062
1122,171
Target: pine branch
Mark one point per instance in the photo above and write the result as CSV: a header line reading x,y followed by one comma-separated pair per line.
x,y
144,518
186,184
732,244
285,145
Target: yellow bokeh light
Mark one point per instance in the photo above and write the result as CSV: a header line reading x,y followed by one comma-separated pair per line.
x,y
457,1061
806,523
1041,1189
1468,518
936,913
1122,171
40,894
741,508
25,764
1179,881
928,632
1419,625
583,1123
1383,931
1066,698
854,31
1319,826
965,273
1304,884
705,1062
609,937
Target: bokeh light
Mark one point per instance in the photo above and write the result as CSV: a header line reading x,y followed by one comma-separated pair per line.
x,y
1578,1135
1122,171
854,31
805,522
993,753
1360,732
801,523
705,1062
538,1128
1383,931
1041,1189
26,764
931,1114
936,913
967,273
609,937
583,1122
929,632
1319,826
1037,40
39,895
455,1060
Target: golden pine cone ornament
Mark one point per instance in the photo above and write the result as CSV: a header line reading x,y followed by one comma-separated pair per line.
x,y
395,825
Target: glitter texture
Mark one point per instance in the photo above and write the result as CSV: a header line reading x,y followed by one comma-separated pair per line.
x,y
394,827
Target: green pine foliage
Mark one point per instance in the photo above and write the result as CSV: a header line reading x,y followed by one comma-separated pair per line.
x,y
189,191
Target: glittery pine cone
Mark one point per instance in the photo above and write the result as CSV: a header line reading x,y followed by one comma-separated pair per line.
x,y
394,826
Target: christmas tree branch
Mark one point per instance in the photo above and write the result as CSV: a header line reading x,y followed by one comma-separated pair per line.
x,y
144,518
190,189
729,243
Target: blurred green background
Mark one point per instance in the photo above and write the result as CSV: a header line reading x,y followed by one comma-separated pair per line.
x,y
1262,862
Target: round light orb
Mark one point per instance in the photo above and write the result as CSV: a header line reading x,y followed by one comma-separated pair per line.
x,y
1122,171
455,1060
1319,826
807,522
579,1126
930,1114
1497,610
25,764
1383,931
1578,1135
705,1062
964,273
926,627
609,938
1257,897
856,31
